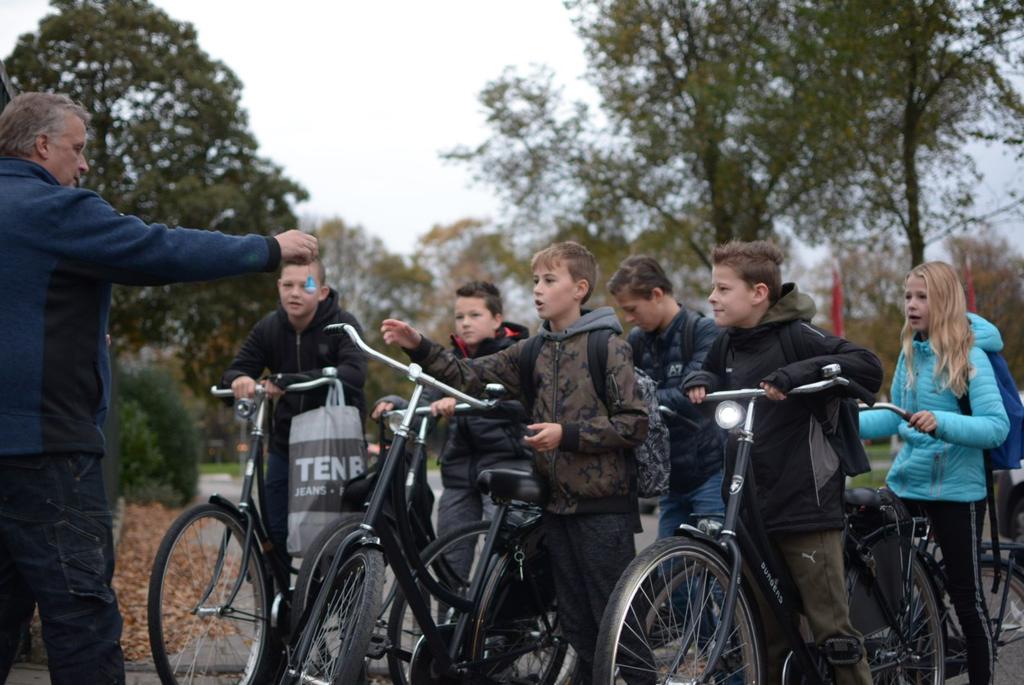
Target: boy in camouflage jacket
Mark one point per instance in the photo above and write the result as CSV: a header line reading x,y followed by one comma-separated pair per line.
x,y
581,440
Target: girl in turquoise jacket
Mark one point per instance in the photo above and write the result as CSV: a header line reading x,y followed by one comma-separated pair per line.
x,y
940,469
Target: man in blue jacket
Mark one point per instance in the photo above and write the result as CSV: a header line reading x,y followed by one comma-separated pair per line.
x,y
62,249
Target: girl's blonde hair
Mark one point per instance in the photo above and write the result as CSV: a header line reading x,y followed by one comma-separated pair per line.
x,y
949,330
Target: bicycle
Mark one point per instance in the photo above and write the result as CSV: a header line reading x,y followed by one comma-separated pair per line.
x,y
683,611
1005,602
396,629
419,503
506,615
218,592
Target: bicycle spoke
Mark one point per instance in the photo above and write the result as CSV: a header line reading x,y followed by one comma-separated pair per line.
x,y
194,633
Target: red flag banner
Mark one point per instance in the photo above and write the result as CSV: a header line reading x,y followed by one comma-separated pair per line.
x,y
972,305
837,300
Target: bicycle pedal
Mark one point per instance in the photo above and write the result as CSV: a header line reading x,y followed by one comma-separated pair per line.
x,y
379,645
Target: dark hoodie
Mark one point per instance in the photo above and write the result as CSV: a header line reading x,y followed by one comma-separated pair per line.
x,y
274,346
588,472
695,441
795,489
476,443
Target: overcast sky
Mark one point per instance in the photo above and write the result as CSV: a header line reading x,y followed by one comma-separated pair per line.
x,y
356,99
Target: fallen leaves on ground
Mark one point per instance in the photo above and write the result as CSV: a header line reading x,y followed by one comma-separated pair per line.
x,y
142,528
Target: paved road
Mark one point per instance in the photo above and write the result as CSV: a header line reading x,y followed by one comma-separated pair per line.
x,y
30,674
25,674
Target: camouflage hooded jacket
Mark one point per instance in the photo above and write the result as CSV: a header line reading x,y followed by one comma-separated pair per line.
x,y
588,472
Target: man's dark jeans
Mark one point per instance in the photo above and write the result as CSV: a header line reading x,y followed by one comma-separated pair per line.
x,y
57,551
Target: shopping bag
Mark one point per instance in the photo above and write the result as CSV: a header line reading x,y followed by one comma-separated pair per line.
x,y
326,449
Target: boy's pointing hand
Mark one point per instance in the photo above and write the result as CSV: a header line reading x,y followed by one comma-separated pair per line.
x,y
400,333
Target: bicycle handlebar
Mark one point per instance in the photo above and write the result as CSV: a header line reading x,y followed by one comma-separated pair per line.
x,y
747,393
413,371
460,408
330,376
900,411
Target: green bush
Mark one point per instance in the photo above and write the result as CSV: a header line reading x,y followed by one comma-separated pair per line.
x,y
138,444
159,439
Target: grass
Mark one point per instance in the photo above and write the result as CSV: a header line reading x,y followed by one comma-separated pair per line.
x,y
878,454
233,469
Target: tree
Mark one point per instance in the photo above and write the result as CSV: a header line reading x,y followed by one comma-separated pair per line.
x,y
711,128
997,267
170,143
468,250
159,444
725,119
916,80
873,299
373,284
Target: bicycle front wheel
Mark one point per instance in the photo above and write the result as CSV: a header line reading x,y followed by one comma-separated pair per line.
x,y
316,562
342,627
200,629
664,618
1007,626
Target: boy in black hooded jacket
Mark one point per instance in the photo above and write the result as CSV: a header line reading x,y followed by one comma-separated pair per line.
x,y
799,480
474,443
291,339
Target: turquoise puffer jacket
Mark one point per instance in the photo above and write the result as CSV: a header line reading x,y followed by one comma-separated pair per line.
x,y
949,466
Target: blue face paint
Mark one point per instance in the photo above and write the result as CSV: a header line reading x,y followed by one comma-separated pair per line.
x,y
310,284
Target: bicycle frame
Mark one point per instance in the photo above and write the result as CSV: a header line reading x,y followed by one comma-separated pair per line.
x,y
247,508
752,548
395,539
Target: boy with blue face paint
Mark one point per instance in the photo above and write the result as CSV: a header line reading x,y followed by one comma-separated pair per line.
x,y
292,340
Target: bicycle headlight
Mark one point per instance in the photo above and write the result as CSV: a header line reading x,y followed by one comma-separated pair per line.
x,y
244,408
729,414
395,419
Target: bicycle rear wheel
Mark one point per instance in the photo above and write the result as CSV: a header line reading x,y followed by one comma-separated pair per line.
x,y
913,652
515,634
403,630
662,620
195,634
342,627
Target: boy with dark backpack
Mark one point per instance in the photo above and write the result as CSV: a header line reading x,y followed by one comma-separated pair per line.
x,y
582,441
797,467
669,342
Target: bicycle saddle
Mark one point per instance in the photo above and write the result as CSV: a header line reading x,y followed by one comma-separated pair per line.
x,y
863,497
504,485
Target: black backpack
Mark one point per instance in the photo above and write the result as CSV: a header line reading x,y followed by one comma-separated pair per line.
x,y
840,422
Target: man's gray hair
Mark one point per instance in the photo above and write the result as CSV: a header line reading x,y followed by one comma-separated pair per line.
x,y
30,115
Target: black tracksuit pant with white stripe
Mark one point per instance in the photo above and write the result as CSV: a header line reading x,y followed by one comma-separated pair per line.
x,y
957,527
